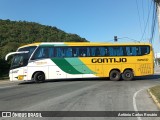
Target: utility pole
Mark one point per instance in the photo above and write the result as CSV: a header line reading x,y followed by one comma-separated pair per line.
x,y
158,13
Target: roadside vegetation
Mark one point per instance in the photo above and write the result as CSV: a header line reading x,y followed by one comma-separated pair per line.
x,y
156,92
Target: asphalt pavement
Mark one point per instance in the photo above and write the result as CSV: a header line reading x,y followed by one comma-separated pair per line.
x,y
80,95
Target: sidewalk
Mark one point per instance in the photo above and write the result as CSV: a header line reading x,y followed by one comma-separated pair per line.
x,y
157,69
4,81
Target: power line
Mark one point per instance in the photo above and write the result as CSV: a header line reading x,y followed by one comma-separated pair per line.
x,y
154,18
143,12
139,15
129,39
134,40
146,22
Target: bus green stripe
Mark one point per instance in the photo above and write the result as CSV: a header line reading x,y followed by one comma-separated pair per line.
x,y
72,66
79,65
65,66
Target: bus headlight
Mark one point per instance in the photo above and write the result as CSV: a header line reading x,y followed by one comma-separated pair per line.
x,y
21,77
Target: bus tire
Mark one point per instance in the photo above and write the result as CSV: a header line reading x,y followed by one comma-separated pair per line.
x,y
39,77
127,75
115,75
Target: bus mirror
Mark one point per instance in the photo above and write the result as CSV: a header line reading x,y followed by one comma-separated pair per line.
x,y
12,53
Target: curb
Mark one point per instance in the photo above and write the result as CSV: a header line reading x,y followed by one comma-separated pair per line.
x,y
154,98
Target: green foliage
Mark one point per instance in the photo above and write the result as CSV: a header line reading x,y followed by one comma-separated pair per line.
x,y
14,34
156,92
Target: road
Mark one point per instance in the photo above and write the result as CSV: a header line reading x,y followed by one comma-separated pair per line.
x,y
80,95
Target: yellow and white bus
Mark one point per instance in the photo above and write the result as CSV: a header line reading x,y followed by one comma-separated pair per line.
x,y
53,60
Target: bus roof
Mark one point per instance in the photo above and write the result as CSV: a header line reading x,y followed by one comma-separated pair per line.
x,y
82,44
33,44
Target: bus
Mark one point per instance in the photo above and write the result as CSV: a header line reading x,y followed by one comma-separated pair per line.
x,y
65,60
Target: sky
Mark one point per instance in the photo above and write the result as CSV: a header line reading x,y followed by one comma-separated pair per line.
x,y
95,20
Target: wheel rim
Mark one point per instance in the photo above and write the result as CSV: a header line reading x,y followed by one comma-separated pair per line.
x,y
128,75
114,75
40,77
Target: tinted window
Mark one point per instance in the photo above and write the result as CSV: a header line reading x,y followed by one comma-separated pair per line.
x,y
19,60
145,50
131,51
30,49
64,52
59,52
75,51
41,52
137,50
68,52
115,51
95,51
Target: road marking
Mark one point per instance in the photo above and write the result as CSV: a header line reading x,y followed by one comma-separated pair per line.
x,y
134,99
134,102
7,86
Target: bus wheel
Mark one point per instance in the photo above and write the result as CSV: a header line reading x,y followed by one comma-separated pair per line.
x,y
114,75
39,77
127,75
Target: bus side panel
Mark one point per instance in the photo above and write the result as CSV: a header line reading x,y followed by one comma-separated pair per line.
x,y
55,72
141,65
34,69
108,67
145,66
89,69
38,65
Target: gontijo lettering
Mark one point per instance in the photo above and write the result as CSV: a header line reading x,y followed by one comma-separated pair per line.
x,y
109,60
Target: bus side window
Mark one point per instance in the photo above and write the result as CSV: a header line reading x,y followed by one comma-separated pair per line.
x,y
119,51
45,53
40,53
88,52
97,52
112,51
128,51
83,52
51,52
75,51
138,49
106,51
68,52
144,50
124,51
92,51
134,51
59,52
102,51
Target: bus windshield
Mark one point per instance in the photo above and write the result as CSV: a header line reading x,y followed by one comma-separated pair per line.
x,y
19,60
30,49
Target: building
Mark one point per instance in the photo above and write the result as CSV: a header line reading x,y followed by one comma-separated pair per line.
x,y
157,56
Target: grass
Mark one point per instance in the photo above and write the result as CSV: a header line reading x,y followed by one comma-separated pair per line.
x,y
156,92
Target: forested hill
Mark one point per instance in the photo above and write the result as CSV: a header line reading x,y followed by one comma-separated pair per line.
x,y
13,33
16,33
